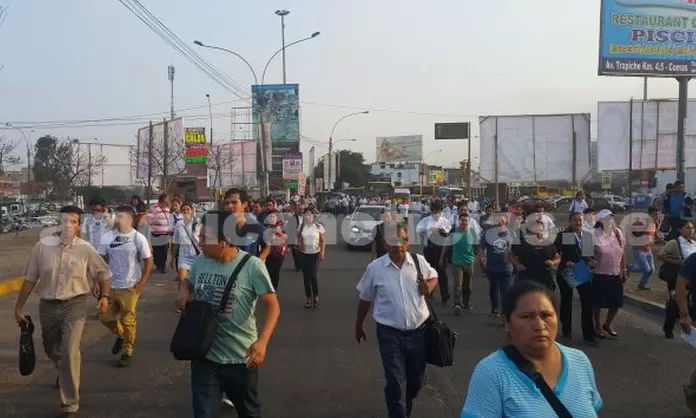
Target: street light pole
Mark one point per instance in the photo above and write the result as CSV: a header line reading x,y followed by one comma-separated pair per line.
x,y
260,102
282,14
328,183
210,146
26,141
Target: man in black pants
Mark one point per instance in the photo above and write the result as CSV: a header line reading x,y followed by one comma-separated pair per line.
x,y
433,231
292,225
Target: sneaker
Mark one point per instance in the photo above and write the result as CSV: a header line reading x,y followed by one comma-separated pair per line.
x,y
458,309
118,345
644,288
227,402
124,361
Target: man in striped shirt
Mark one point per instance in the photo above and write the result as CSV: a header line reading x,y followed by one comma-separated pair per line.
x,y
158,219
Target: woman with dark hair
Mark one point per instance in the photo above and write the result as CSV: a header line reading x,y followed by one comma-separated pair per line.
x,y
609,272
186,242
502,384
672,256
140,209
312,245
274,246
535,255
569,244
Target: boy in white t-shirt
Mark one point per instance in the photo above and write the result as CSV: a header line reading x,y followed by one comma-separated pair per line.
x,y
123,250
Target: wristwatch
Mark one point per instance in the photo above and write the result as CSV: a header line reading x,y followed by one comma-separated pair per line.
x,y
683,314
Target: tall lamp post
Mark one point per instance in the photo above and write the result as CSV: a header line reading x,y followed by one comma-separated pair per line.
x,y
338,156
329,184
421,171
282,14
28,144
260,100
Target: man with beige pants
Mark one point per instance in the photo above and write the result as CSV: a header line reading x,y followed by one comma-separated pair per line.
x,y
60,270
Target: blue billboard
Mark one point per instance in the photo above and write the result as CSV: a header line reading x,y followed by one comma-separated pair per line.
x,y
648,38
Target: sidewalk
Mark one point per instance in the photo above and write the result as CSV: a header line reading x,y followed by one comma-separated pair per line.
x,y
653,300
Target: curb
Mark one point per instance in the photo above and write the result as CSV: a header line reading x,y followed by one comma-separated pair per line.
x,y
649,307
11,285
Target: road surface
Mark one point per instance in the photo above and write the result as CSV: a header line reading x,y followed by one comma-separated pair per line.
x,y
314,367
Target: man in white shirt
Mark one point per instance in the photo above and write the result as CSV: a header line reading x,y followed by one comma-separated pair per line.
x,y
392,285
97,224
125,248
578,205
433,230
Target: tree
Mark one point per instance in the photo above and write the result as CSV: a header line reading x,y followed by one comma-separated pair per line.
x,y
351,168
61,166
7,149
223,157
162,157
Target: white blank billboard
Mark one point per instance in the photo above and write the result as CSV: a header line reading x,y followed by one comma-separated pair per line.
x,y
534,148
172,157
118,168
654,135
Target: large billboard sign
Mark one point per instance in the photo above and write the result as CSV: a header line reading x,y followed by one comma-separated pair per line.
x,y
458,130
196,146
654,135
647,38
238,164
533,148
407,148
151,154
281,116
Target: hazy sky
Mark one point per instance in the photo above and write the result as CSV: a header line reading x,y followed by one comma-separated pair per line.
x,y
424,62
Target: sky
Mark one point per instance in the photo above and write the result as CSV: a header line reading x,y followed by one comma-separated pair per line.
x,y
411,63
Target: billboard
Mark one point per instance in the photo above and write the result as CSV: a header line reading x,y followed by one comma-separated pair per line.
x,y
531,148
117,168
281,117
195,146
654,124
151,154
647,37
237,164
292,165
458,130
399,148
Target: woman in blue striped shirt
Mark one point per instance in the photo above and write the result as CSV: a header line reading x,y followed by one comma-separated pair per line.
x,y
499,388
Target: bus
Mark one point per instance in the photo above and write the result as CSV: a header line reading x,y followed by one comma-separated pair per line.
x,y
443,192
426,190
380,188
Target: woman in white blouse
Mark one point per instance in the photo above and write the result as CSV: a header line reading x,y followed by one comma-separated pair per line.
x,y
311,244
186,245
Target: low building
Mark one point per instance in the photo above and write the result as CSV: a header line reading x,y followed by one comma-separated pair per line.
x,y
8,186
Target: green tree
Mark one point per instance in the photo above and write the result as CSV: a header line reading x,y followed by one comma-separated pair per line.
x,y
351,168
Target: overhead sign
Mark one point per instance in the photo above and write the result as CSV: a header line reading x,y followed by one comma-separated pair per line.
x,y
452,130
408,148
195,146
292,165
647,38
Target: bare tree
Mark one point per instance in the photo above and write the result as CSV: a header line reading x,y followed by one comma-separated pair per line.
x,y
222,157
73,166
7,157
160,154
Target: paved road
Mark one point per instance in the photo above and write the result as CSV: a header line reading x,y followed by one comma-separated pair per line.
x,y
315,369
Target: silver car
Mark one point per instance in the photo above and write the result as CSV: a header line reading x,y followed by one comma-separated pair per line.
x,y
362,224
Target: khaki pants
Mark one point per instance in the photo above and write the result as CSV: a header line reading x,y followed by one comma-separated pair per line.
x,y
119,318
62,323
462,284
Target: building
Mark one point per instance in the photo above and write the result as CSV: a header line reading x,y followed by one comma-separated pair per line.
x,y
408,174
8,186
453,176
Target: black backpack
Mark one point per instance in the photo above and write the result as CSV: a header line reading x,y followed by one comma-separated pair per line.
x,y
199,322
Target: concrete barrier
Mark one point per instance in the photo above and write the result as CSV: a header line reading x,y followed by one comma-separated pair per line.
x,y
11,285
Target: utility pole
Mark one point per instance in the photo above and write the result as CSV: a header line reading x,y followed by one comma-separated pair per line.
x,y
329,184
210,150
282,14
165,158
89,164
170,72
468,168
149,163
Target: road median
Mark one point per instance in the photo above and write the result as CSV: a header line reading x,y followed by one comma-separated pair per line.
x,y
10,285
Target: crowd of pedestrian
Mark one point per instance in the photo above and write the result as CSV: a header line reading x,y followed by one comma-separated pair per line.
x,y
525,258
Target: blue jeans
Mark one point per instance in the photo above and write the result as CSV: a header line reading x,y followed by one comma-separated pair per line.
x,y
403,359
644,264
498,282
209,380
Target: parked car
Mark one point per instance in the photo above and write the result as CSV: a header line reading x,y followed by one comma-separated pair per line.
x,y
611,202
362,224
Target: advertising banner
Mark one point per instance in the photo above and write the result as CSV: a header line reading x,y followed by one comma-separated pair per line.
x,y
301,184
654,125
460,130
292,165
195,146
151,154
532,148
647,38
237,164
407,148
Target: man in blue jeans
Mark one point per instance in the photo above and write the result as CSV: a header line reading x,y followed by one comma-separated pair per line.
x,y
231,364
392,285
496,244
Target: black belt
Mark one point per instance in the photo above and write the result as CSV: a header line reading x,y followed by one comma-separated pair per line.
x,y
60,301
405,332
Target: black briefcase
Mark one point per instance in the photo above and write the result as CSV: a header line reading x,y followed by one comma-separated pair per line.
x,y
27,353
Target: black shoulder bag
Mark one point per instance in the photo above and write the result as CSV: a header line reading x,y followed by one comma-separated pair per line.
x,y
527,368
669,272
439,338
198,323
27,353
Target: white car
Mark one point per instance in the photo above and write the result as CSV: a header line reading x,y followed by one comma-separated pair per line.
x,y
362,224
